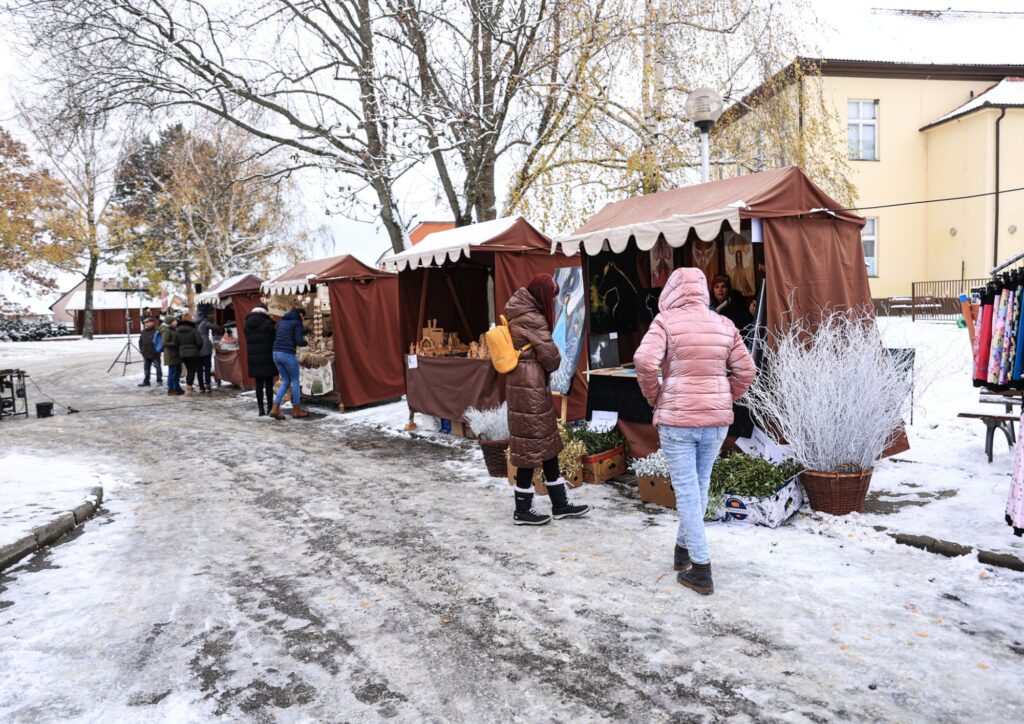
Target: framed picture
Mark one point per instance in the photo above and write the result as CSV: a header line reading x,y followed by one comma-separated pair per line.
x,y
604,351
614,292
570,318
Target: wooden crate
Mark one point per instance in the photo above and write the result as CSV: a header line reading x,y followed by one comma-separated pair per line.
x,y
657,490
604,466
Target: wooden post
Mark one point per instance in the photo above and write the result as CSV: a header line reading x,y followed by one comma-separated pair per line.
x,y
423,304
563,416
458,308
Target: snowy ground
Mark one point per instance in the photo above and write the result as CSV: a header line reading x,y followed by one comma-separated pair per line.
x,y
334,570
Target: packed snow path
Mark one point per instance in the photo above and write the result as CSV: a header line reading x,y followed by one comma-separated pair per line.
x,y
328,570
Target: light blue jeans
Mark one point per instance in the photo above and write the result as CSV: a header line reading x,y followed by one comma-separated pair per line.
x,y
288,368
691,453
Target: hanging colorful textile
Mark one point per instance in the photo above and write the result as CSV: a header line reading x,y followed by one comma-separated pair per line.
x,y
984,338
998,338
1009,338
1015,503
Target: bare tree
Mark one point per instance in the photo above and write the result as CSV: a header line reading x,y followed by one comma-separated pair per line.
x,y
307,68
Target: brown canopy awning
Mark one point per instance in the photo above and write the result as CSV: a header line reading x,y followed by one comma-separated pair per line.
x,y
702,208
302,275
244,283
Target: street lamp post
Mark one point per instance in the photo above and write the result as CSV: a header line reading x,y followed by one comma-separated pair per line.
x,y
704,107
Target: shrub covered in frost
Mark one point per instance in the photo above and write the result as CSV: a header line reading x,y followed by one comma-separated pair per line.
x,y
13,330
652,466
832,392
489,424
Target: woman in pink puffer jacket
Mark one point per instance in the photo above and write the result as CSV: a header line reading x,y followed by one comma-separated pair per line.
x,y
706,368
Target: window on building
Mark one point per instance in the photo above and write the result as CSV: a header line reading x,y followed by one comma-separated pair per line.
x,y
869,240
862,130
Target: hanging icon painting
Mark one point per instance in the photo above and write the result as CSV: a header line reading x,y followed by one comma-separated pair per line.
x,y
570,317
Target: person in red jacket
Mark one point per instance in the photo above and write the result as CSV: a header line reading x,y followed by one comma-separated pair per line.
x,y
705,368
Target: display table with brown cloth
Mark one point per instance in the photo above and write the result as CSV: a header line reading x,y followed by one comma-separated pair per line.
x,y
445,386
229,366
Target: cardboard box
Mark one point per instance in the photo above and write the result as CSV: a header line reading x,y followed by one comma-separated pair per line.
x,y
604,466
657,490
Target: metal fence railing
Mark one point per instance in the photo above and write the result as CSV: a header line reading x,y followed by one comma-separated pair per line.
x,y
940,301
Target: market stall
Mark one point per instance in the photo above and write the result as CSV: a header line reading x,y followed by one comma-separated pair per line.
x,y
788,250
453,285
232,299
354,355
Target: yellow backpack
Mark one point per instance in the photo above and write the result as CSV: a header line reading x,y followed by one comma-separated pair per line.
x,y
504,355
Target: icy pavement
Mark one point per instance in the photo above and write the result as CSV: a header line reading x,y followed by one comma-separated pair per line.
x,y
323,570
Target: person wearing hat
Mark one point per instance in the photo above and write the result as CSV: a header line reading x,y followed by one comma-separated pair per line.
x,y
728,302
259,351
150,347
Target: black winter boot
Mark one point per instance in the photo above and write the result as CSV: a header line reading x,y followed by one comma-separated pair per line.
x,y
682,558
698,578
561,506
525,514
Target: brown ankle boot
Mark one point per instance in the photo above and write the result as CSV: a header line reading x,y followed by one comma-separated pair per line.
x,y
275,412
299,412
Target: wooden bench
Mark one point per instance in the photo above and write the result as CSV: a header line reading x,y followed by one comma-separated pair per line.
x,y
993,423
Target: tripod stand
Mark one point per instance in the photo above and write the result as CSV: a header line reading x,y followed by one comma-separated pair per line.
x,y
124,357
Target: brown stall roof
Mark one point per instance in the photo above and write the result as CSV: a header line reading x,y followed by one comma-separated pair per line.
x,y
301,276
238,284
509,234
781,192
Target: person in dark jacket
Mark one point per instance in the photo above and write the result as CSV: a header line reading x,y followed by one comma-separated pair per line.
x,y
150,354
532,424
259,348
729,303
189,346
172,358
205,328
287,339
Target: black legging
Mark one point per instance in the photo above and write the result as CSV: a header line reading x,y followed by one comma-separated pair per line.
x,y
264,386
524,476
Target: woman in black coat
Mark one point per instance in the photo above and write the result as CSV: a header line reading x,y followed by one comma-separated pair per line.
x,y
259,346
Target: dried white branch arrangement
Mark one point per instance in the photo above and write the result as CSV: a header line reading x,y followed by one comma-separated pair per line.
x,y
654,465
489,424
832,392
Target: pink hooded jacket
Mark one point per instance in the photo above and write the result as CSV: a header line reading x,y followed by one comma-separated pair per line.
x,y
696,349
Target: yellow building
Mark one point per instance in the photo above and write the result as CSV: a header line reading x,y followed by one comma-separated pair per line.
x,y
914,132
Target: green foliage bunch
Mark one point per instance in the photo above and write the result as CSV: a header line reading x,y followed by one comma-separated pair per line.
x,y
746,475
595,442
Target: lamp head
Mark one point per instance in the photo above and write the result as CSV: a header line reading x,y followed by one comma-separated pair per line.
x,y
704,106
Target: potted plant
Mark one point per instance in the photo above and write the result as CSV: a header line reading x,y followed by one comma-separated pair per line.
x,y
653,479
833,394
604,454
752,489
491,428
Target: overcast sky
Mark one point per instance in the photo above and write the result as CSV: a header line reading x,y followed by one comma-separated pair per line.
x,y
842,31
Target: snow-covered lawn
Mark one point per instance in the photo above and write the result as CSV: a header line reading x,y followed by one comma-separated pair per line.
x,y
34,486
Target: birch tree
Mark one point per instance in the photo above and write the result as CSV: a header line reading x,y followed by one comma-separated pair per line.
x,y
81,152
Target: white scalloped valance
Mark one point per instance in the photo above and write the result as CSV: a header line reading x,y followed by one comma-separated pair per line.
x,y
287,286
676,228
449,245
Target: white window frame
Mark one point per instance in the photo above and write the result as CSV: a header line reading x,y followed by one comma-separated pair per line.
x,y
873,223
858,153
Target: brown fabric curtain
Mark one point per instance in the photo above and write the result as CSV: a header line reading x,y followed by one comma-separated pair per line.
x,y
244,304
368,359
812,264
446,386
229,366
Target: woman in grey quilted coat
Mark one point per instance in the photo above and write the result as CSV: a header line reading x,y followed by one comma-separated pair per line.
x,y
533,426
